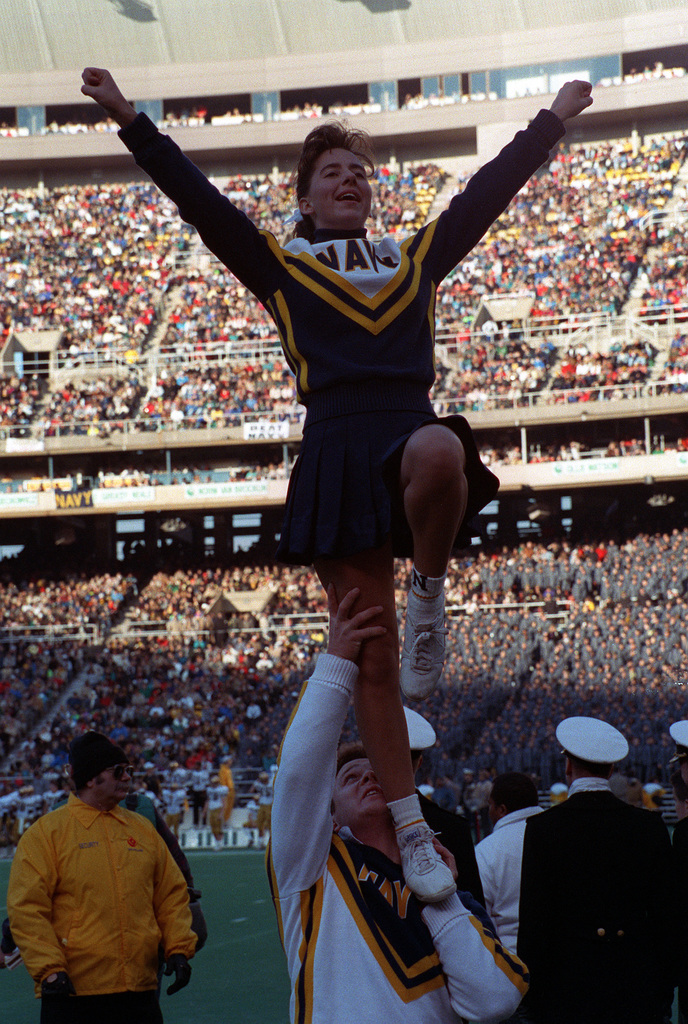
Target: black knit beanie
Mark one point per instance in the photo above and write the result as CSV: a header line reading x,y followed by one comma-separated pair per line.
x,y
90,753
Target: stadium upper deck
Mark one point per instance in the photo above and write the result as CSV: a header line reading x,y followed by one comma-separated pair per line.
x,y
372,54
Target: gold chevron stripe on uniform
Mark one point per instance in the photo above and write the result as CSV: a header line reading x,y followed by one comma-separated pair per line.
x,y
311,917
364,311
280,314
314,268
403,979
515,970
416,246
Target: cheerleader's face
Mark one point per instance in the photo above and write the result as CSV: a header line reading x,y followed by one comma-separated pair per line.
x,y
339,194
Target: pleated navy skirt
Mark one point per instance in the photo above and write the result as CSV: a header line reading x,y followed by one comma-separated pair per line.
x,y
344,494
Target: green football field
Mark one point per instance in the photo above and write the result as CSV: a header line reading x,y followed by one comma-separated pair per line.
x,y
241,973
239,976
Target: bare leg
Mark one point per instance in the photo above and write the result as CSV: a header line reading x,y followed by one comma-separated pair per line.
x,y
435,494
377,701
381,720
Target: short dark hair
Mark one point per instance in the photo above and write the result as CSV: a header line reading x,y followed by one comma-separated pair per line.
x,y
598,770
331,135
679,787
349,752
514,790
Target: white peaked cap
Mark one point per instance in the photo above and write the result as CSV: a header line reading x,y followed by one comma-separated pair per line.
x,y
679,733
422,736
591,739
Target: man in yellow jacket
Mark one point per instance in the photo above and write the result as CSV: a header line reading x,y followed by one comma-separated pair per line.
x,y
93,892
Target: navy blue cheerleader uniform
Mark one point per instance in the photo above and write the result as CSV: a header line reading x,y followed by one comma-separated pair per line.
x,y
356,320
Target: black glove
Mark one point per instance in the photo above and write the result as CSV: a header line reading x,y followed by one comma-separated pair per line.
x,y
198,925
181,968
57,984
7,943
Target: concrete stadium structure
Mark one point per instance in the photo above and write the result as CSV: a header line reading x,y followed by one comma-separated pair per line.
x,y
167,52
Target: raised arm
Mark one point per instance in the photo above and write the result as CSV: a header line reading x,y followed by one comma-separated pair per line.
x,y
101,87
226,230
488,193
301,815
572,99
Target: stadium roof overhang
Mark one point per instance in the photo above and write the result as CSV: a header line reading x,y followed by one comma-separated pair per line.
x,y
169,47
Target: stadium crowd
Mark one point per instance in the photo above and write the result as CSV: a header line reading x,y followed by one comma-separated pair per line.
x,y
536,633
90,262
103,295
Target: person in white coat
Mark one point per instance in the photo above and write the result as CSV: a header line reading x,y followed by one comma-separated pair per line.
x,y
513,799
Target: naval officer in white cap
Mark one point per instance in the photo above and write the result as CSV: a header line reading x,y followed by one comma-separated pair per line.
x,y
598,922
679,734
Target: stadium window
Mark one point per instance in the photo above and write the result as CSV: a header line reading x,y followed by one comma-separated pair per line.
x,y
304,102
265,106
451,86
10,550
126,524
244,541
244,519
478,85
556,81
384,94
532,86
31,120
527,528
431,87
408,91
151,108
8,118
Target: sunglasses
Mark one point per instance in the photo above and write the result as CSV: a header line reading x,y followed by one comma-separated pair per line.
x,y
119,770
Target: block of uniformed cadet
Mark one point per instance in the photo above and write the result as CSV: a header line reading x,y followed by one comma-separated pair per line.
x,y
598,920
452,830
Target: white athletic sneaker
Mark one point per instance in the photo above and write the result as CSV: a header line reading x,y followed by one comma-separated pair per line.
x,y
424,870
422,656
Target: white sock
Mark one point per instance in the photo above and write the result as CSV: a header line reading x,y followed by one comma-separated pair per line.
x,y
426,596
406,813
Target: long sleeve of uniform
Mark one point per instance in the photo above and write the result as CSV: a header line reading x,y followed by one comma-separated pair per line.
x,y
485,981
93,894
487,195
226,230
304,784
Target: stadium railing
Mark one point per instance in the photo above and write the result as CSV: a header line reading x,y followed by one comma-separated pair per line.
x,y
88,632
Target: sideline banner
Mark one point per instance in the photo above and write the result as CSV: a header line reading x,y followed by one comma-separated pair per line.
x,y
10,502
259,430
231,489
